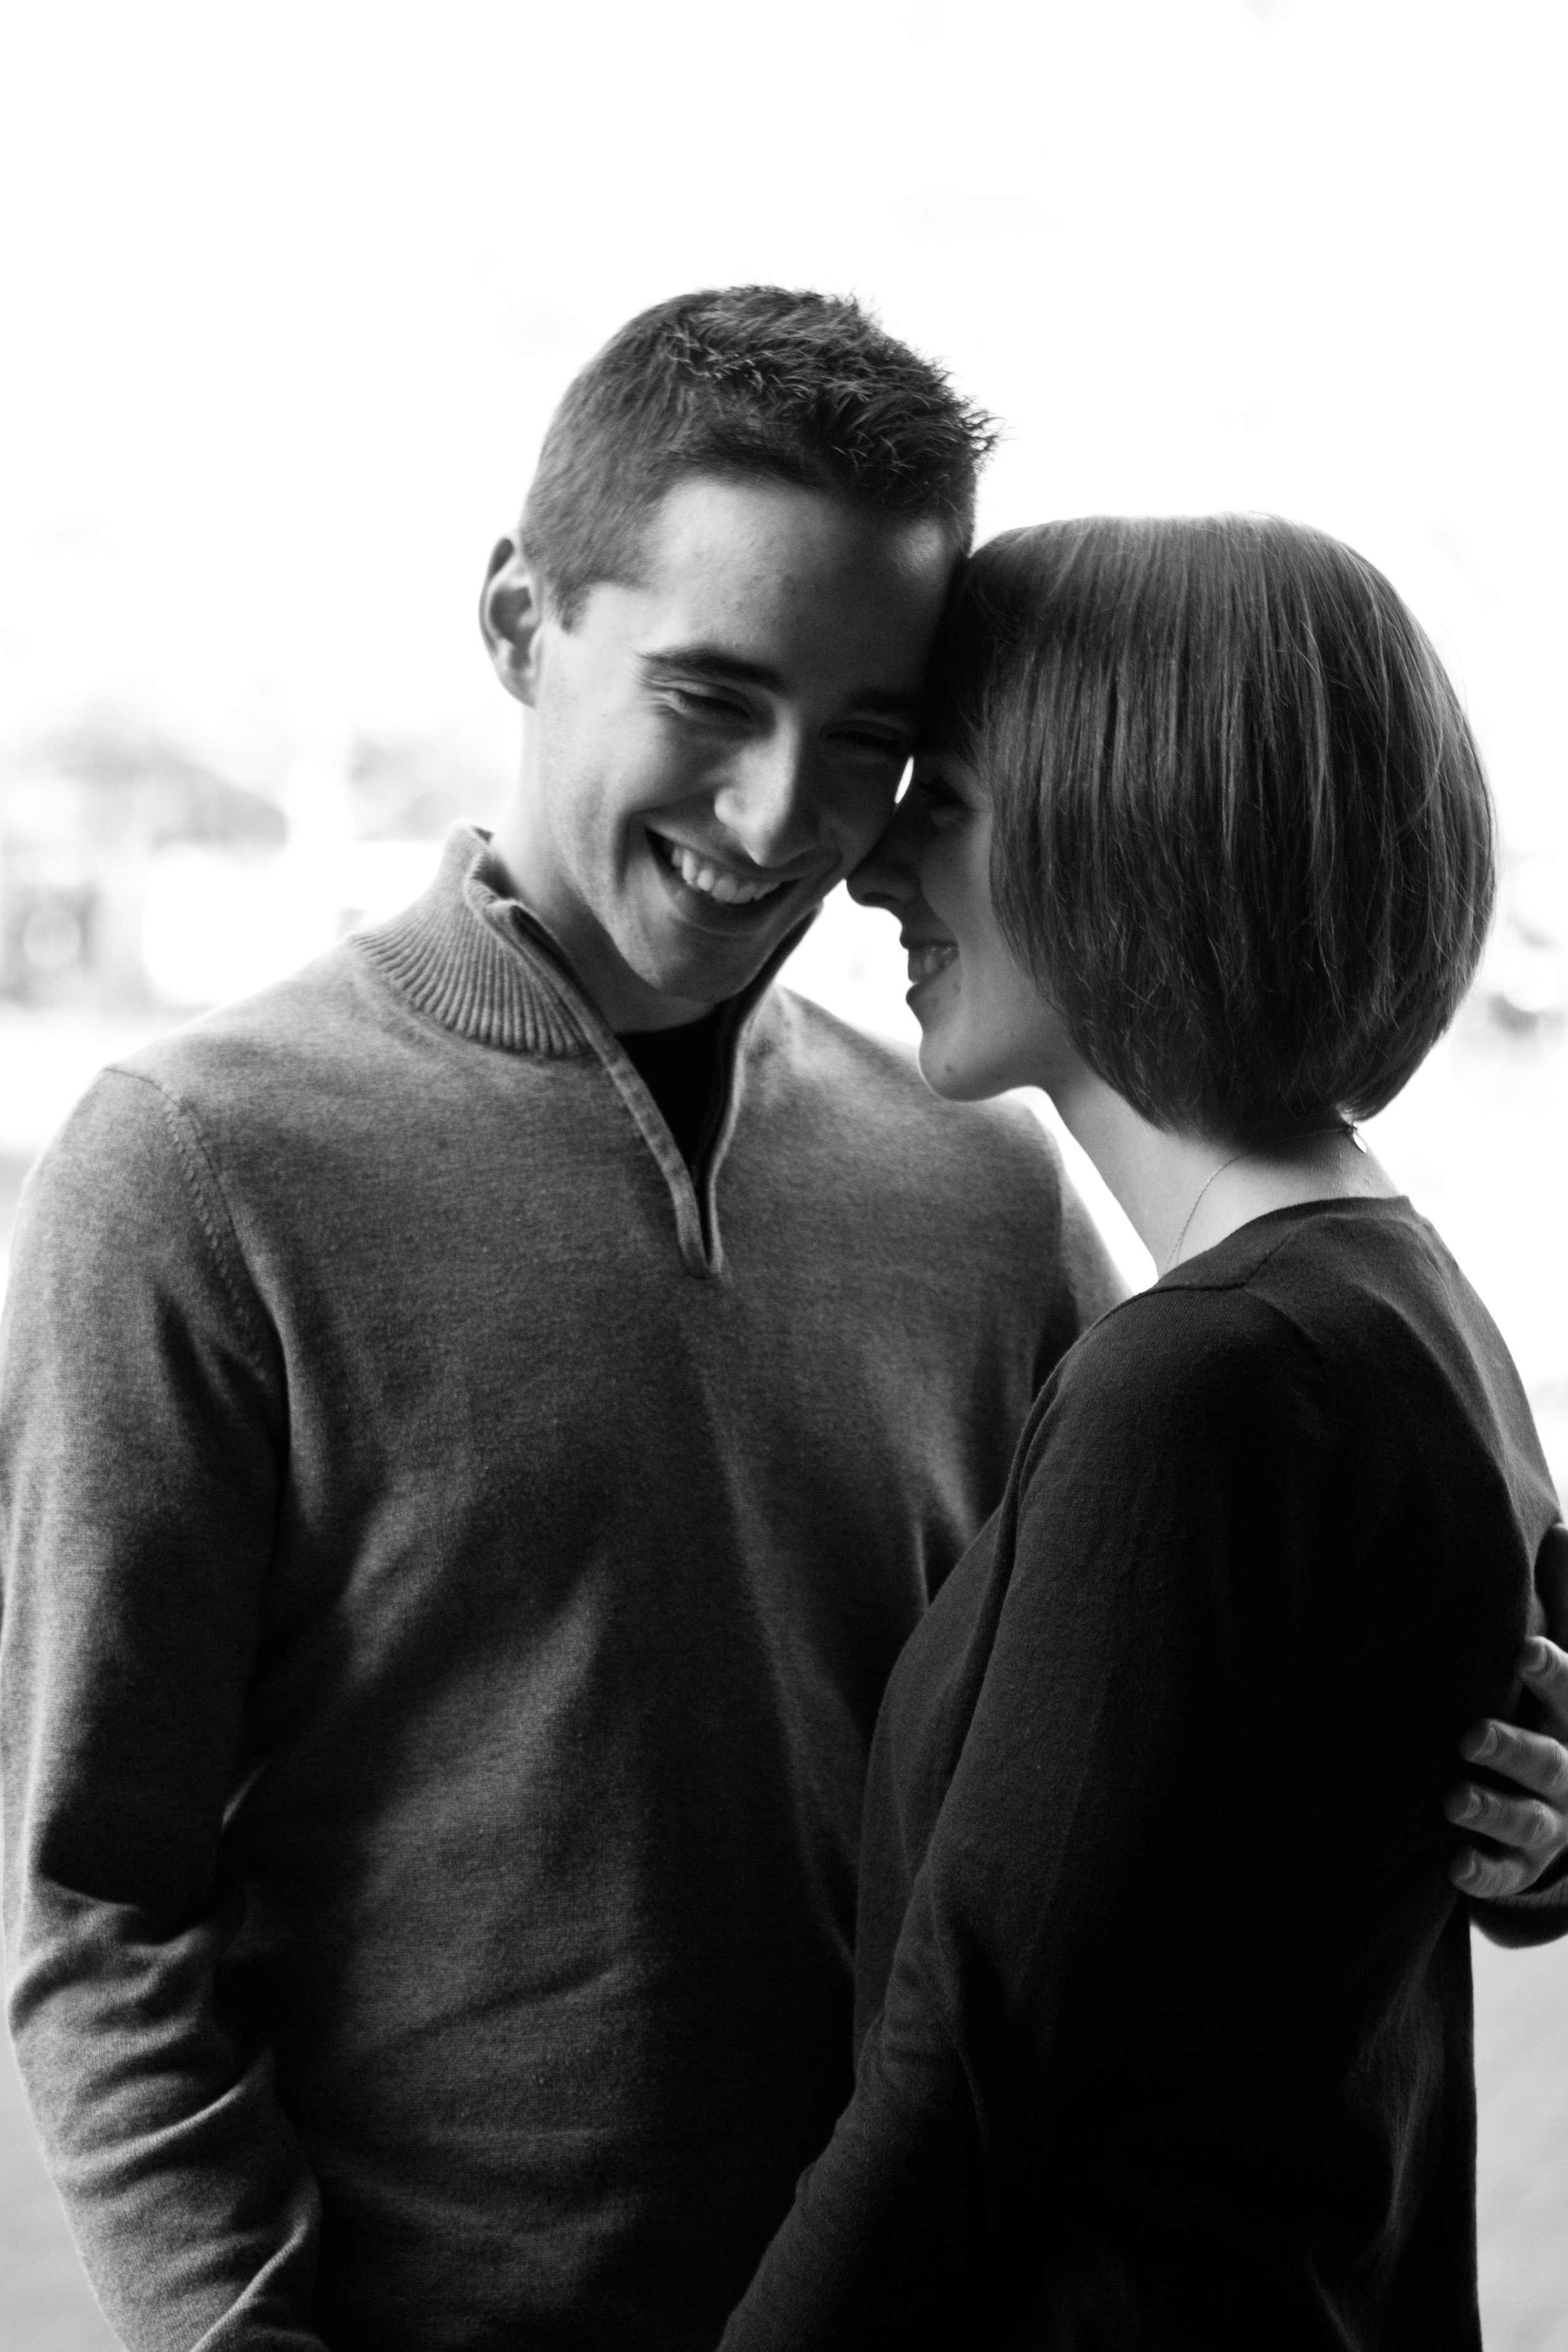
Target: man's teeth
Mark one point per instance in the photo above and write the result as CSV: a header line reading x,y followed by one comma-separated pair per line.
x,y
925,964
715,881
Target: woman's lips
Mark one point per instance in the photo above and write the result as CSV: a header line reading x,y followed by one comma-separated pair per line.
x,y
926,961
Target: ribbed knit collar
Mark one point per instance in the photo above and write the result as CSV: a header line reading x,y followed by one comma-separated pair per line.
x,y
469,956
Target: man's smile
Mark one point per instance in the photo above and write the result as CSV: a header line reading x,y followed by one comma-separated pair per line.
x,y
709,882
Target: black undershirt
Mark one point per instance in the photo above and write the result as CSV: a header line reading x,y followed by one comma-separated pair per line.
x,y
679,1067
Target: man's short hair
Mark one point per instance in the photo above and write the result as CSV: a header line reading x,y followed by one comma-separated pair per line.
x,y
747,380
1242,840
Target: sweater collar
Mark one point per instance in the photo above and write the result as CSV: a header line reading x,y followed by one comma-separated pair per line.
x,y
470,956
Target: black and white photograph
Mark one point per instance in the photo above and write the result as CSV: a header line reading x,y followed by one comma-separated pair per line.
x,y
783,1132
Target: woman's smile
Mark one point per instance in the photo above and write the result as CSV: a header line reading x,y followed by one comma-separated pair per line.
x,y
986,1027
927,958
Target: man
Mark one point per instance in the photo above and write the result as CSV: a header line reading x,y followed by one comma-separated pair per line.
x,y
480,1421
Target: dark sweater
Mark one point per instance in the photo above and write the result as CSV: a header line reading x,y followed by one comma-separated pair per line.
x,y
453,1560
1164,1994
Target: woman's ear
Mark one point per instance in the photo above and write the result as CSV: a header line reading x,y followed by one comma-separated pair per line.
x,y
511,609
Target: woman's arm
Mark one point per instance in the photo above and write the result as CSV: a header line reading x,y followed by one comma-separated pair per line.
x,y
877,2249
1111,1664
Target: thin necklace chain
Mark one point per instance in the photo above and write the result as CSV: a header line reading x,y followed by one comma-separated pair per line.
x,y
1254,1152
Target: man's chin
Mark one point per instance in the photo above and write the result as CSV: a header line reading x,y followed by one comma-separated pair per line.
x,y
705,955
709,973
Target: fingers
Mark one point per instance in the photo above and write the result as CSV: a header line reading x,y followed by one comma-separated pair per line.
x,y
1545,1669
1490,1877
1552,1581
1531,1829
1535,1760
1528,1834
1526,1828
1535,1829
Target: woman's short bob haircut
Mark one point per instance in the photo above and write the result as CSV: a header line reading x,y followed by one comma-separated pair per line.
x,y
1242,840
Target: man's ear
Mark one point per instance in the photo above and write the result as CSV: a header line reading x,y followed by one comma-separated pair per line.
x,y
511,609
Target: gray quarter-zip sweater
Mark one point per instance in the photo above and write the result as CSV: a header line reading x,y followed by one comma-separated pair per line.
x,y
451,1563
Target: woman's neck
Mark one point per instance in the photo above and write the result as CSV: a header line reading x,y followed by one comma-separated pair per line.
x,y
1185,1193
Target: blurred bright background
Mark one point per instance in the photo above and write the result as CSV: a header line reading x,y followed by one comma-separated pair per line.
x,y
289,296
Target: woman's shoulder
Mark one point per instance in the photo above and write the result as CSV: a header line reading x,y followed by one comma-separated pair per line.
x,y
1173,1395
1335,1336
1164,1352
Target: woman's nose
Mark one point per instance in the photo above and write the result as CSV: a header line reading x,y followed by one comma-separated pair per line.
x,y
885,876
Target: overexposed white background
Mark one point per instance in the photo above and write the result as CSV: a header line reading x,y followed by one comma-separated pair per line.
x,y
287,295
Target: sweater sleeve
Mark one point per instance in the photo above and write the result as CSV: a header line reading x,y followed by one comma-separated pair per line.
x,y
1116,1679
141,1430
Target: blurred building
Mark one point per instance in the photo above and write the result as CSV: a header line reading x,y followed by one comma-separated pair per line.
x,y
1523,981
132,872
84,815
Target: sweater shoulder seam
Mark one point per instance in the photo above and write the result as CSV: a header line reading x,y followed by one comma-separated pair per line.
x,y
210,1207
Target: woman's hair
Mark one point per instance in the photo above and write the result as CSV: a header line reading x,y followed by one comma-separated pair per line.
x,y
1242,840
748,382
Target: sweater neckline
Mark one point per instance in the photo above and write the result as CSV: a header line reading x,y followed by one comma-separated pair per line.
x,y
466,956
469,955
1249,1243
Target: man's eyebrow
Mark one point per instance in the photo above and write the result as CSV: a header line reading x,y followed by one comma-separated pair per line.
x,y
734,669
711,661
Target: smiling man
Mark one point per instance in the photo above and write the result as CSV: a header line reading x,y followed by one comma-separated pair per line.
x,y
479,1422
715,743
712,745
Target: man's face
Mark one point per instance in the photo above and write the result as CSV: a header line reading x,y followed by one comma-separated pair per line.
x,y
711,750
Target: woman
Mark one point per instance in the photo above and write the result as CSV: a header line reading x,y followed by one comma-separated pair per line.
x,y
1158,2045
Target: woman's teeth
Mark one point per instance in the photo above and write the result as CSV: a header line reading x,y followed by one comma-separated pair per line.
x,y
925,964
715,881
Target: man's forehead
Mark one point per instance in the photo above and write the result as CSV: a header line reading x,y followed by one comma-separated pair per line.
x,y
749,582
707,527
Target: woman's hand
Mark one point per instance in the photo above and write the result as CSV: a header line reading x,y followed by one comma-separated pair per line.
x,y
1526,1828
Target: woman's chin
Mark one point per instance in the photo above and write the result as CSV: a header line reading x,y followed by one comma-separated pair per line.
x,y
952,1071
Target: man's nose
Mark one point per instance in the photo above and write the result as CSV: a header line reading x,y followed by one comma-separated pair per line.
x,y
774,803
885,876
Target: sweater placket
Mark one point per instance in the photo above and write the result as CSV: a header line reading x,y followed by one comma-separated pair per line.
x,y
485,967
